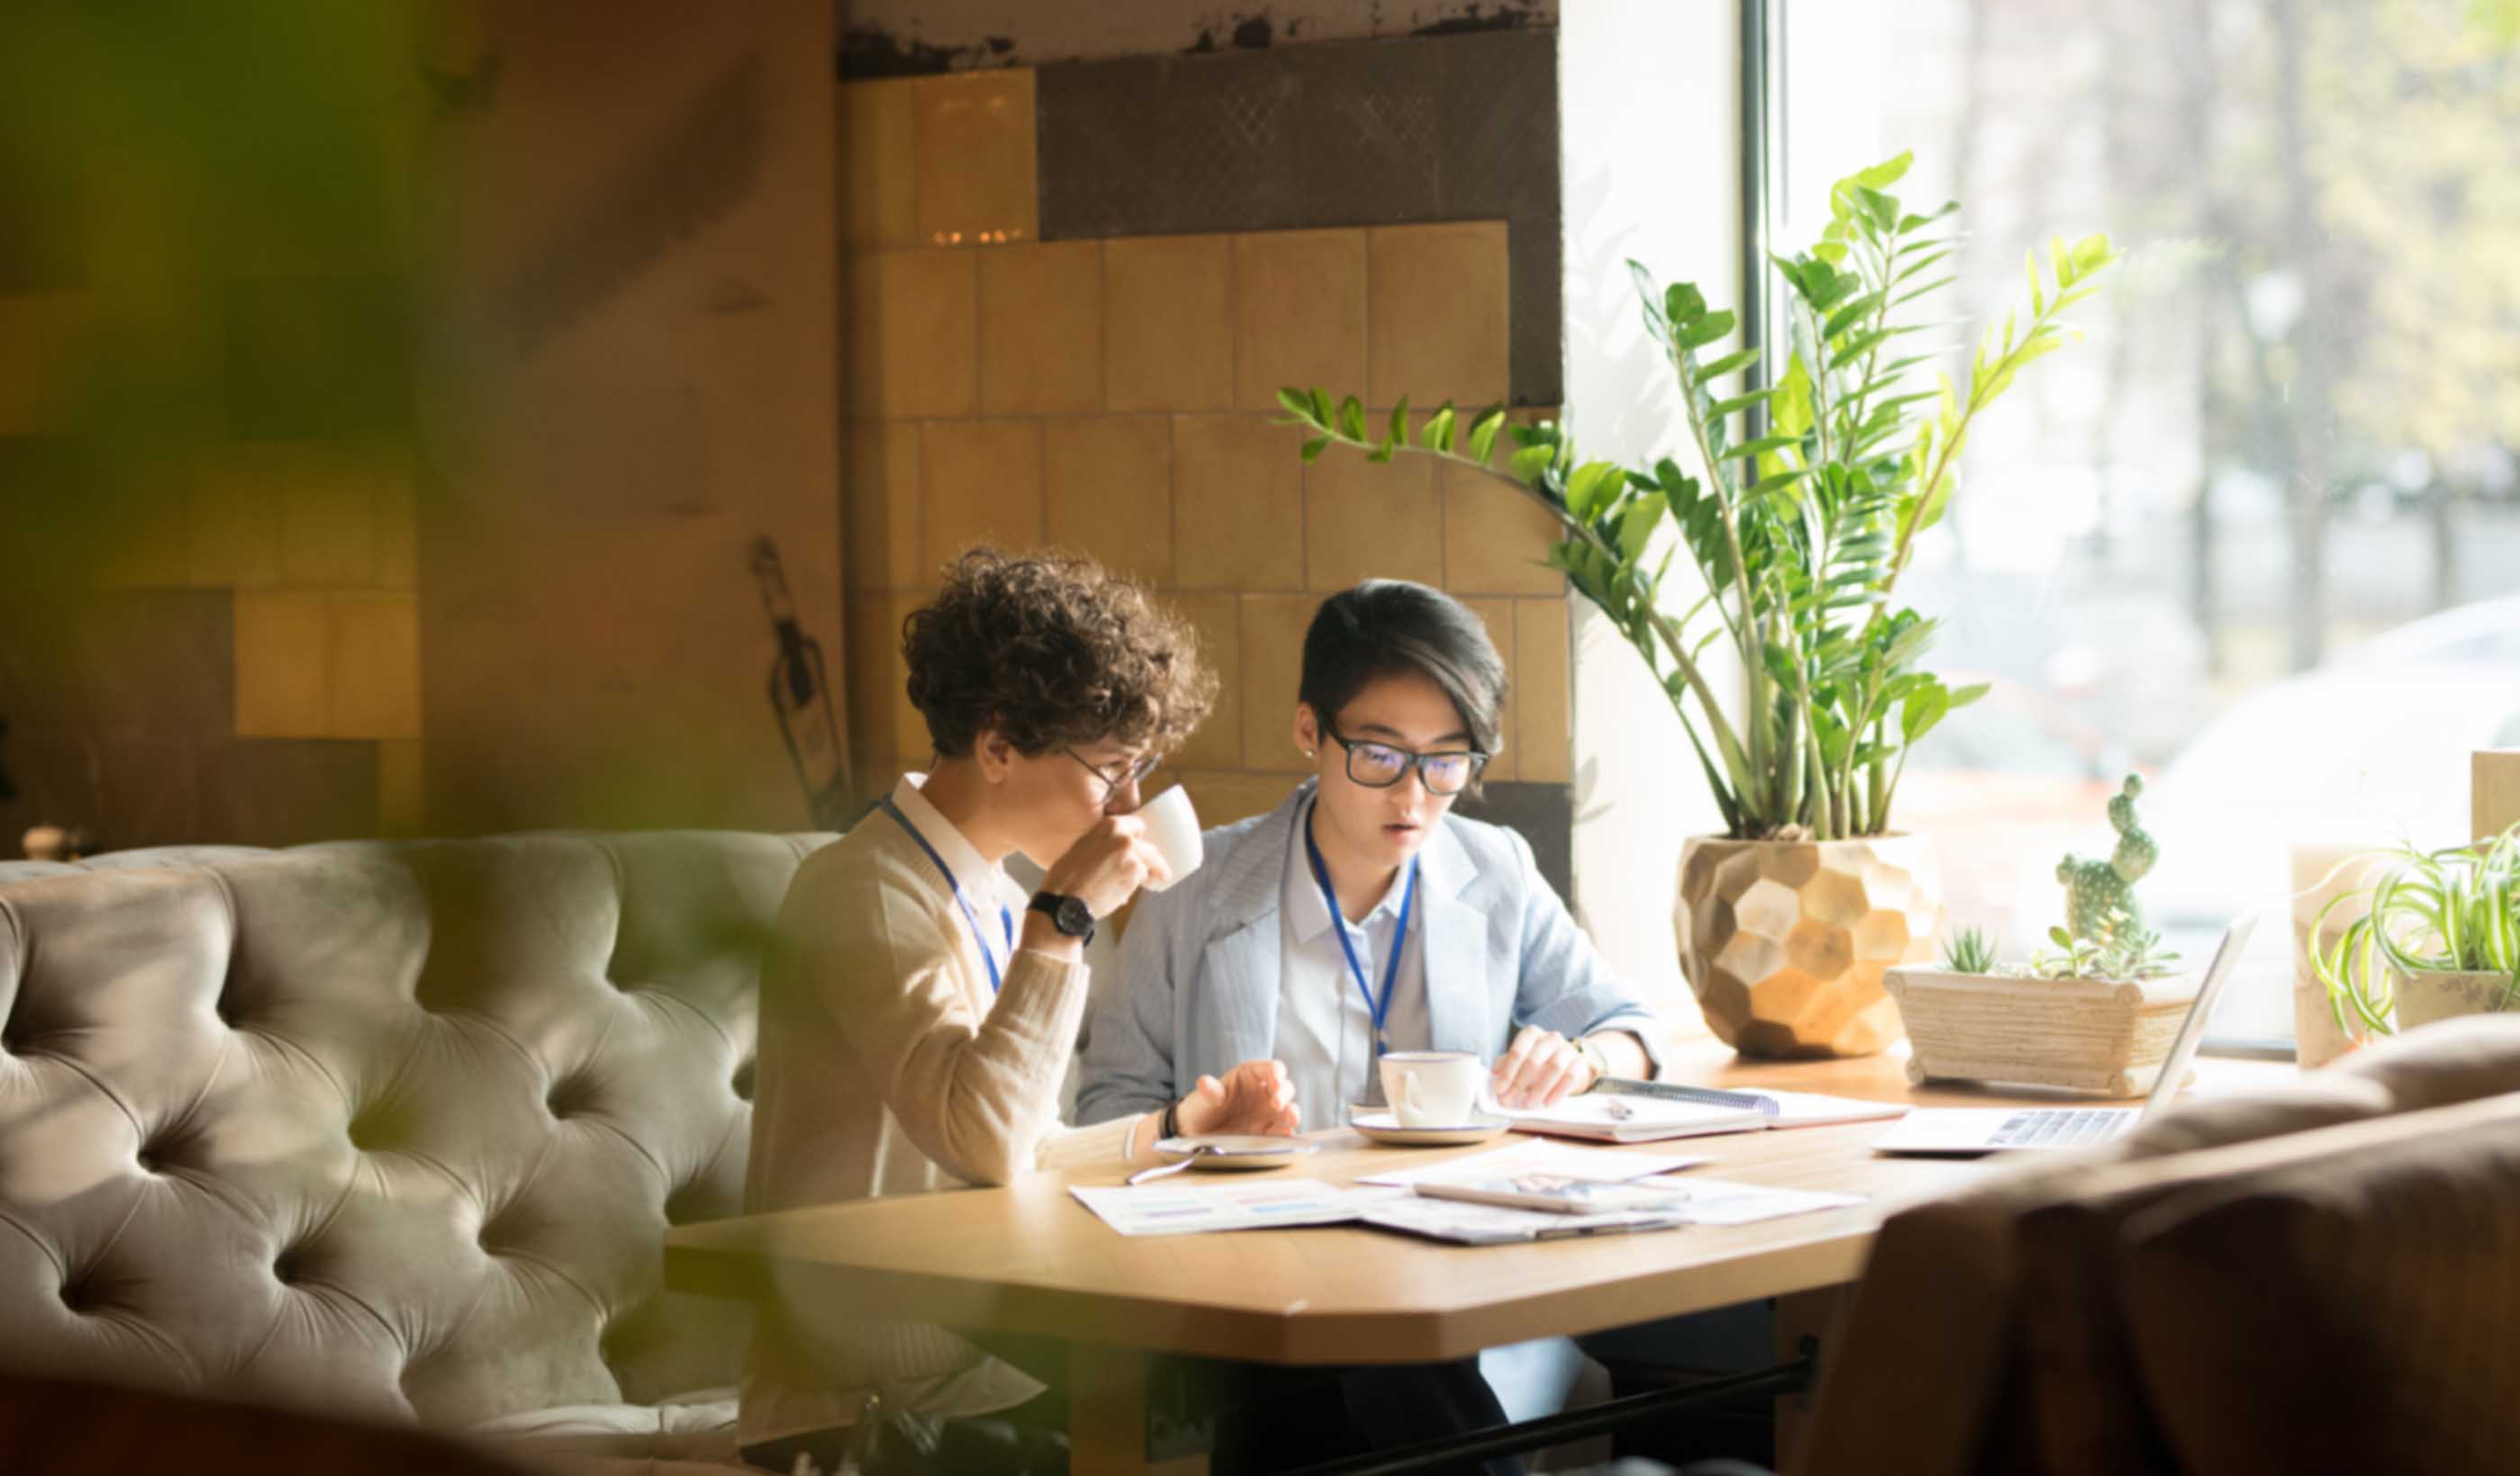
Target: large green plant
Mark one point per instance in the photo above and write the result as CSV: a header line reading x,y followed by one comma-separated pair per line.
x,y
1798,534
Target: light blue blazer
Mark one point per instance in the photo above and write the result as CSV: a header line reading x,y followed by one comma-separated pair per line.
x,y
1199,975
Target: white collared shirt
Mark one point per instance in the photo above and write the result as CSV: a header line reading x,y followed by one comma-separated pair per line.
x,y
1325,1029
985,884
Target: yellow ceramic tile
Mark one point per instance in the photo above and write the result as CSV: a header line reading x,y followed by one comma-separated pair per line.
x,y
1496,536
1299,315
1542,726
401,799
975,159
375,654
879,164
1222,798
283,664
1439,314
1368,521
875,676
1107,481
1498,617
1217,743
394,481
233,516
1041,329
882,502
983,485
22,411
1273,664
328,522
1168,323
913,334
1237,498
150,546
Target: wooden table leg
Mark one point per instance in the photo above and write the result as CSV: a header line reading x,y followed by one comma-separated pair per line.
x,y
1106,1409
1803,1315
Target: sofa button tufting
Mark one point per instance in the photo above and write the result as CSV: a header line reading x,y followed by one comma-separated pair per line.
x,y
284,1269
151,1162
742,1081
78,1296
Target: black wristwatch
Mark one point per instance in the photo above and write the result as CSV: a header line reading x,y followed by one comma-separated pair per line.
x,y
1072,917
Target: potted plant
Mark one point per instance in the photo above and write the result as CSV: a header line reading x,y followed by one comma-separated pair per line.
x,y
2439,937
2098,1014
1802,506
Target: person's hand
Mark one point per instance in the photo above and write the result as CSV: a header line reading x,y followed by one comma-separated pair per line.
x,y
1256,1096
1107,865
1541,1070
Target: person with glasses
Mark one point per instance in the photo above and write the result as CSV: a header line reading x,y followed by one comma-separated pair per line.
x,y
918,1011
1364,916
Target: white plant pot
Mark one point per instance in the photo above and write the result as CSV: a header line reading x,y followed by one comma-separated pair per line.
x,y
2427,997
2086,1035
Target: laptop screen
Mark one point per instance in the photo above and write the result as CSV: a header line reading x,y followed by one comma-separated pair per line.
x,y
2191,1031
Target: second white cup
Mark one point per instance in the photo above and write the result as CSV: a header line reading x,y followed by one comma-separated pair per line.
x,y
1172,826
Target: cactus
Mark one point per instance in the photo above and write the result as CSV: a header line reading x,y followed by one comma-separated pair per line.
x,y
2099,895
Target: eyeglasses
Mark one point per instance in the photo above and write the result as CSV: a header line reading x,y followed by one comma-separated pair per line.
x,y
1136,769
1380,766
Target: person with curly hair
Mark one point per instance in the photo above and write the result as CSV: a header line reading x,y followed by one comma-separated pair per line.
x,y
916,1035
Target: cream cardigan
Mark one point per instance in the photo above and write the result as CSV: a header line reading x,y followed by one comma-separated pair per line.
x,y
885,1067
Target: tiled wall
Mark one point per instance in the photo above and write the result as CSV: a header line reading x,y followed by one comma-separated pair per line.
x,y
208,625
1115,396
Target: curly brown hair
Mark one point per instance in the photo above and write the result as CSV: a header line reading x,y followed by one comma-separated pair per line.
x,y
1051,650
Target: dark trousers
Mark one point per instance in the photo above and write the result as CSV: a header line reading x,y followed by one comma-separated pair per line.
x,y
1287,1418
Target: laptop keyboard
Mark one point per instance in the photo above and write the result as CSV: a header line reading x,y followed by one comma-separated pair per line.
x,y
2056,1127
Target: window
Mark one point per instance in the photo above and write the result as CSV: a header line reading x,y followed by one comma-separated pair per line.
x,y
2257,536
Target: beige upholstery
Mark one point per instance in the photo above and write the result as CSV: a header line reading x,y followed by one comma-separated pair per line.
x,y
392,1130
1990,1331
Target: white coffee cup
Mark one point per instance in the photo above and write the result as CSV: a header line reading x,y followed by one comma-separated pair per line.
x,y
1433,1089
1172,827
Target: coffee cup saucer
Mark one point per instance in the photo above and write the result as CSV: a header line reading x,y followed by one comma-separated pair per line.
x,y
1382,1125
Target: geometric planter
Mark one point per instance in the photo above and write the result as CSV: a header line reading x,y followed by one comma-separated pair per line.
x,y
2088,1035
1784,942
2424,997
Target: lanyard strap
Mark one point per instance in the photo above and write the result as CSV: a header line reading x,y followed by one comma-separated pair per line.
x,y
956,887
1379,1010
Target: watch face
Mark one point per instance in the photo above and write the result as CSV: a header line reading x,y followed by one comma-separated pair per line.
x,y
1075,918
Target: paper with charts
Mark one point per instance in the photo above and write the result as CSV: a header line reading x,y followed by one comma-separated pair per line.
x,y
1163,1209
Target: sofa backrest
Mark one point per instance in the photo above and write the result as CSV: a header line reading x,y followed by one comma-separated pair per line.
x,y
389,1129
1985,1335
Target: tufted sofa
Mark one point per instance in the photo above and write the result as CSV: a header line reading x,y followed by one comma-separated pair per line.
x,y
390,1129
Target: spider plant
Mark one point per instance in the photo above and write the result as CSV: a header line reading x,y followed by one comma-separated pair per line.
x,y
2452,910
1799,528
1971,951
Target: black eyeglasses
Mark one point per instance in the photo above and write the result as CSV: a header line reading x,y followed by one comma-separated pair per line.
x,y
1380,766
1136,772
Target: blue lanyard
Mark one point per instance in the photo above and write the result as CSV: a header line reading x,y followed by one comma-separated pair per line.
x,y
956,887
1379,1010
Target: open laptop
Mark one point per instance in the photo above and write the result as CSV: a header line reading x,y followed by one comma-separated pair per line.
x,y
2002,1129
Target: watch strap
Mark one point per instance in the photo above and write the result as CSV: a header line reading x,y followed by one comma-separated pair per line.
x,y
1055,906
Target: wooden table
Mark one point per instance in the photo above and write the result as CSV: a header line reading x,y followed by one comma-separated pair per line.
x,y
1029,1259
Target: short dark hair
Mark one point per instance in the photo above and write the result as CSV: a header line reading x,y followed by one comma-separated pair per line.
x,y
1386,626
1051,650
